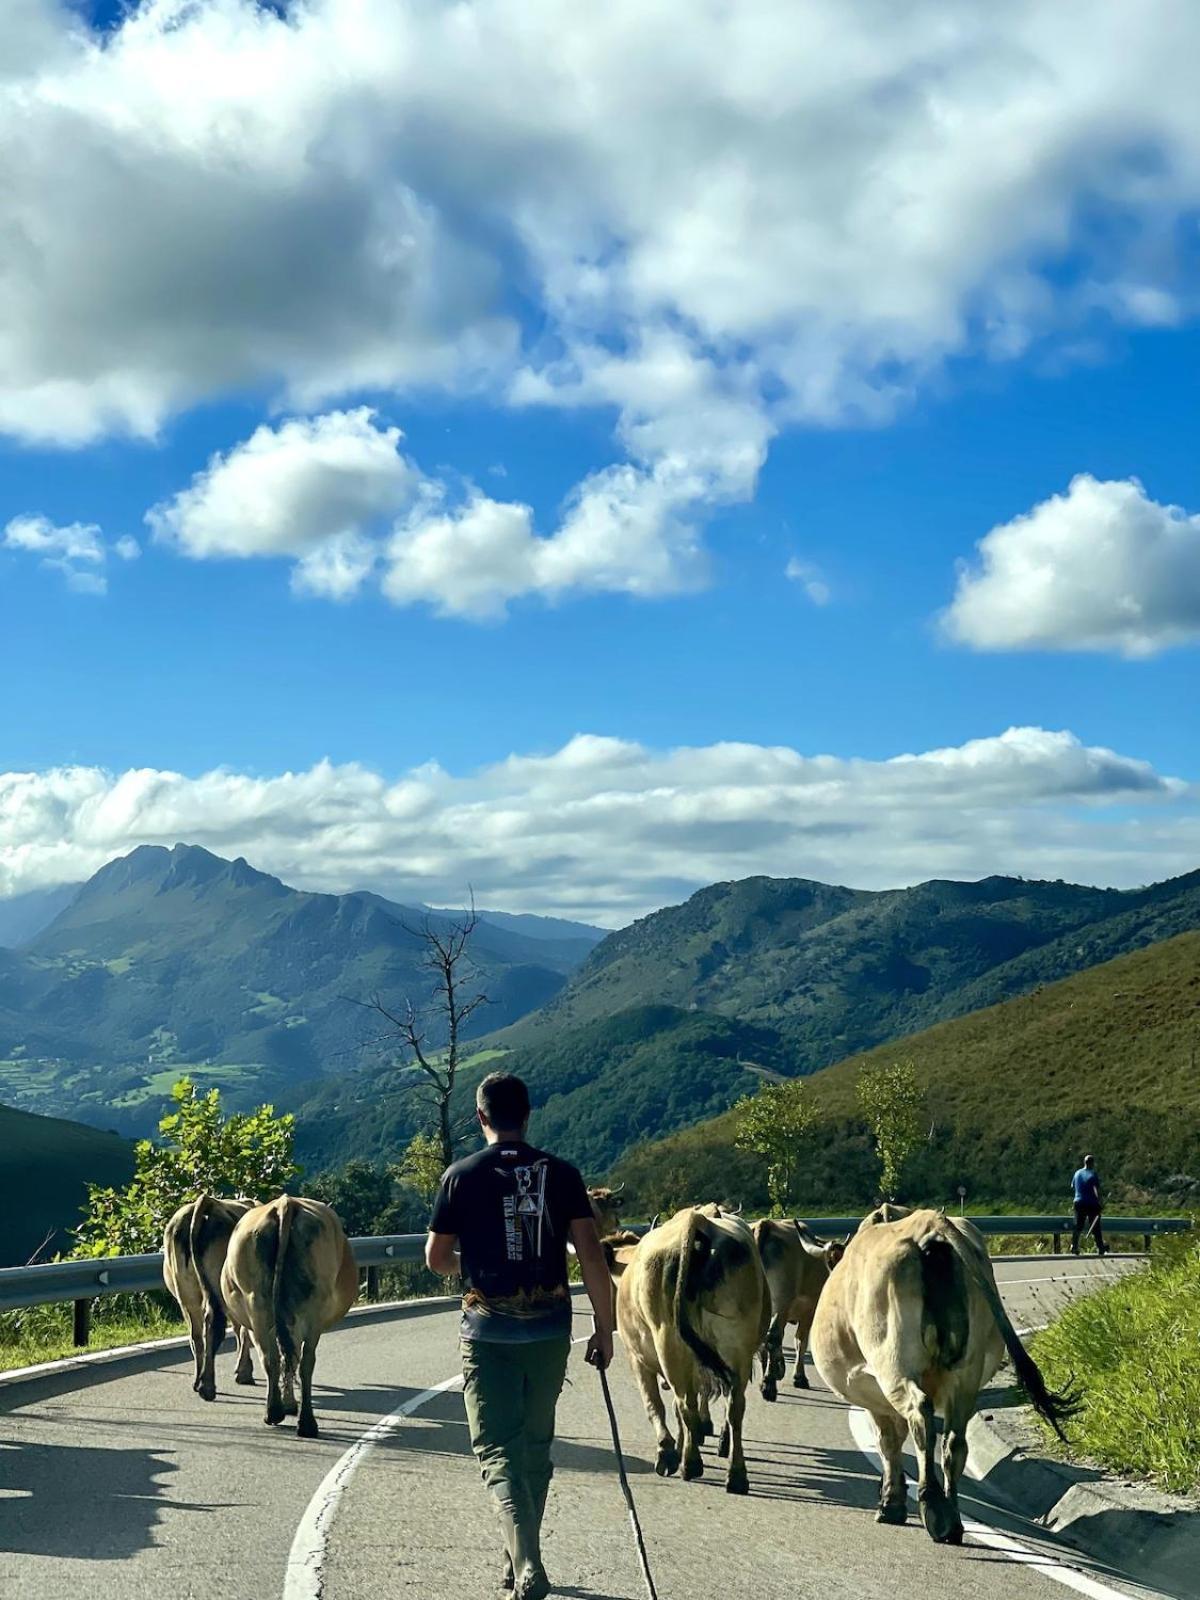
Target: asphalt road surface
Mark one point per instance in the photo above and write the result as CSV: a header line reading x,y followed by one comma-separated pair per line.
x,y
118,1482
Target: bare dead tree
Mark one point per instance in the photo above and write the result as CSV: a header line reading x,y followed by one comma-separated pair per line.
x,y
456,998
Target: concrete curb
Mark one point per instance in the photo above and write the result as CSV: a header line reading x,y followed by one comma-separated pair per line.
x,y
150,1349
1141,1532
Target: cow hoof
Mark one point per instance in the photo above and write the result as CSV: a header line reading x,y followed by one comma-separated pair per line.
x,y
274,1415
896,1515
246,1378
666,1463
800,1381
955,1536
307,1428
770,1392
195,1385
723,1446
692,1470
737,1485
290,1408
207,1391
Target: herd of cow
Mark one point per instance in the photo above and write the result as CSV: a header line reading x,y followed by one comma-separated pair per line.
x,y
904,1320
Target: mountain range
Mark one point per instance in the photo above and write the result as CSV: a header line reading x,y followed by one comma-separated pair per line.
x,y
176,960
173,960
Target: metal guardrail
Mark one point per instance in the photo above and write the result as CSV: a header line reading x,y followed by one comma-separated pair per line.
x,y
81,1282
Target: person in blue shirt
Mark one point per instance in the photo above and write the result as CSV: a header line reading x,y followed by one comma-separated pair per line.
x,y
1085,1186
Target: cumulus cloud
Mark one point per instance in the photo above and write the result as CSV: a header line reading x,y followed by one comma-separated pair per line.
x,y
607,829
77,550
360,195
311,488
1101,567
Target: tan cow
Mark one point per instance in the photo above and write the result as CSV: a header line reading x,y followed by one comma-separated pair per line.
x,y
692,1308
797,1265
910,1327
195,1243
606,1210
289,1276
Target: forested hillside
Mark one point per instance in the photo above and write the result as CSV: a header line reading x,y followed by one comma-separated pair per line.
x,y
1107,1060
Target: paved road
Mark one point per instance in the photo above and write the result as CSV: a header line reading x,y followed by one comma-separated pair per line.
x,y
121,1484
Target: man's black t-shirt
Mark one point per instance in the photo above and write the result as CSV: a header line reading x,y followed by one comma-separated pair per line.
x,y
511,1206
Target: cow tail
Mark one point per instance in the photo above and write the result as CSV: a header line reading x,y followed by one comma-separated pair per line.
x,y
1056,1408
946,1322
283,1329
693,1271
212,1292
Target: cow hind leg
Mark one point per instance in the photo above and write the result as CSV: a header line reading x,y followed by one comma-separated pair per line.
x,y
941,1519
706,1422
213,1332
287,1381
773,1364
666,1462
799,1376
890,1431
245,1366
689,1416
195,1321
954,1461
306,1427
737,1480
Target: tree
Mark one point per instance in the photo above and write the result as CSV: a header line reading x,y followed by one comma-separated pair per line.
x,y
772,1124
421,1166
455,1000
361,1193
891,1101
246,1153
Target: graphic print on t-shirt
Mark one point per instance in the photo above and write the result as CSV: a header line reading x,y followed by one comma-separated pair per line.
x,y
524,1211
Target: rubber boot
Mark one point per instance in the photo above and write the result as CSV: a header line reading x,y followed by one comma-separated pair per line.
x,y
522,1542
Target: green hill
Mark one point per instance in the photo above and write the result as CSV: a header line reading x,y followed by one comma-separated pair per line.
x,y
836,970
597,1090
176,960
45,1167
1105,1060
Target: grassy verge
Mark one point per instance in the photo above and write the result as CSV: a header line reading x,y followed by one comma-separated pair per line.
x,y
44,1333
1131,1348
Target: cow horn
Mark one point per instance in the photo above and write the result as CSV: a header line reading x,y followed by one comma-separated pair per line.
x,y
620,1187
733,1211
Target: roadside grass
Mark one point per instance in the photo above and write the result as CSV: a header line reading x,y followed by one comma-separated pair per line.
x,y
1131,1350
44,1333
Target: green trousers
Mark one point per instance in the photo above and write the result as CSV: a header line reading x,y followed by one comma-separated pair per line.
x,y
511,1392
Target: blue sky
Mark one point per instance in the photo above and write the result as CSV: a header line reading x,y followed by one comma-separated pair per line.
x,y
760,408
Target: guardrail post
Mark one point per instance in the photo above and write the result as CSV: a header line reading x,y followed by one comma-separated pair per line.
x,y
82,1323
1146,1243
1058,1244
372,1283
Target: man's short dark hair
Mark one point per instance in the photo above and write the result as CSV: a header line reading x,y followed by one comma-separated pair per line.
x,y
1089,1161
504,1101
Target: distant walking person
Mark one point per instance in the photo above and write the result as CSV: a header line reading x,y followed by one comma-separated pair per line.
x,y
508,1211
1085,1186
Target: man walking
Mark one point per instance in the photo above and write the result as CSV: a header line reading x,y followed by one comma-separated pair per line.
x,y
1085,1186
502,1219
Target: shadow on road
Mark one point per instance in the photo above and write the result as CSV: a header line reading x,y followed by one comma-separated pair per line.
x,y
86,1504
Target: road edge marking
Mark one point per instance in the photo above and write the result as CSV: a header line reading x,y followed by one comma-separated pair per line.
x,y
304,1576
1049,1564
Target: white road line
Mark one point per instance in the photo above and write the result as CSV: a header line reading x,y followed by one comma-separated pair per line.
x,y
1062,1277
980,1533
304,1578
305,1575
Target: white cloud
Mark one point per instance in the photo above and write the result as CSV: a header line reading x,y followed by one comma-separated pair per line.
x,y
310,488
810,580
354,196
77,550
1102,567
608,829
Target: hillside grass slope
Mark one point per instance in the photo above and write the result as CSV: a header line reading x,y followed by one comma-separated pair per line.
x,y
1103,1061
45,1167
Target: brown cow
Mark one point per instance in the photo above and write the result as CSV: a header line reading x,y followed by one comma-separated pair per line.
x,y
606,1210
797,1265
911,1326
195,1243
693,1307
289,1276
